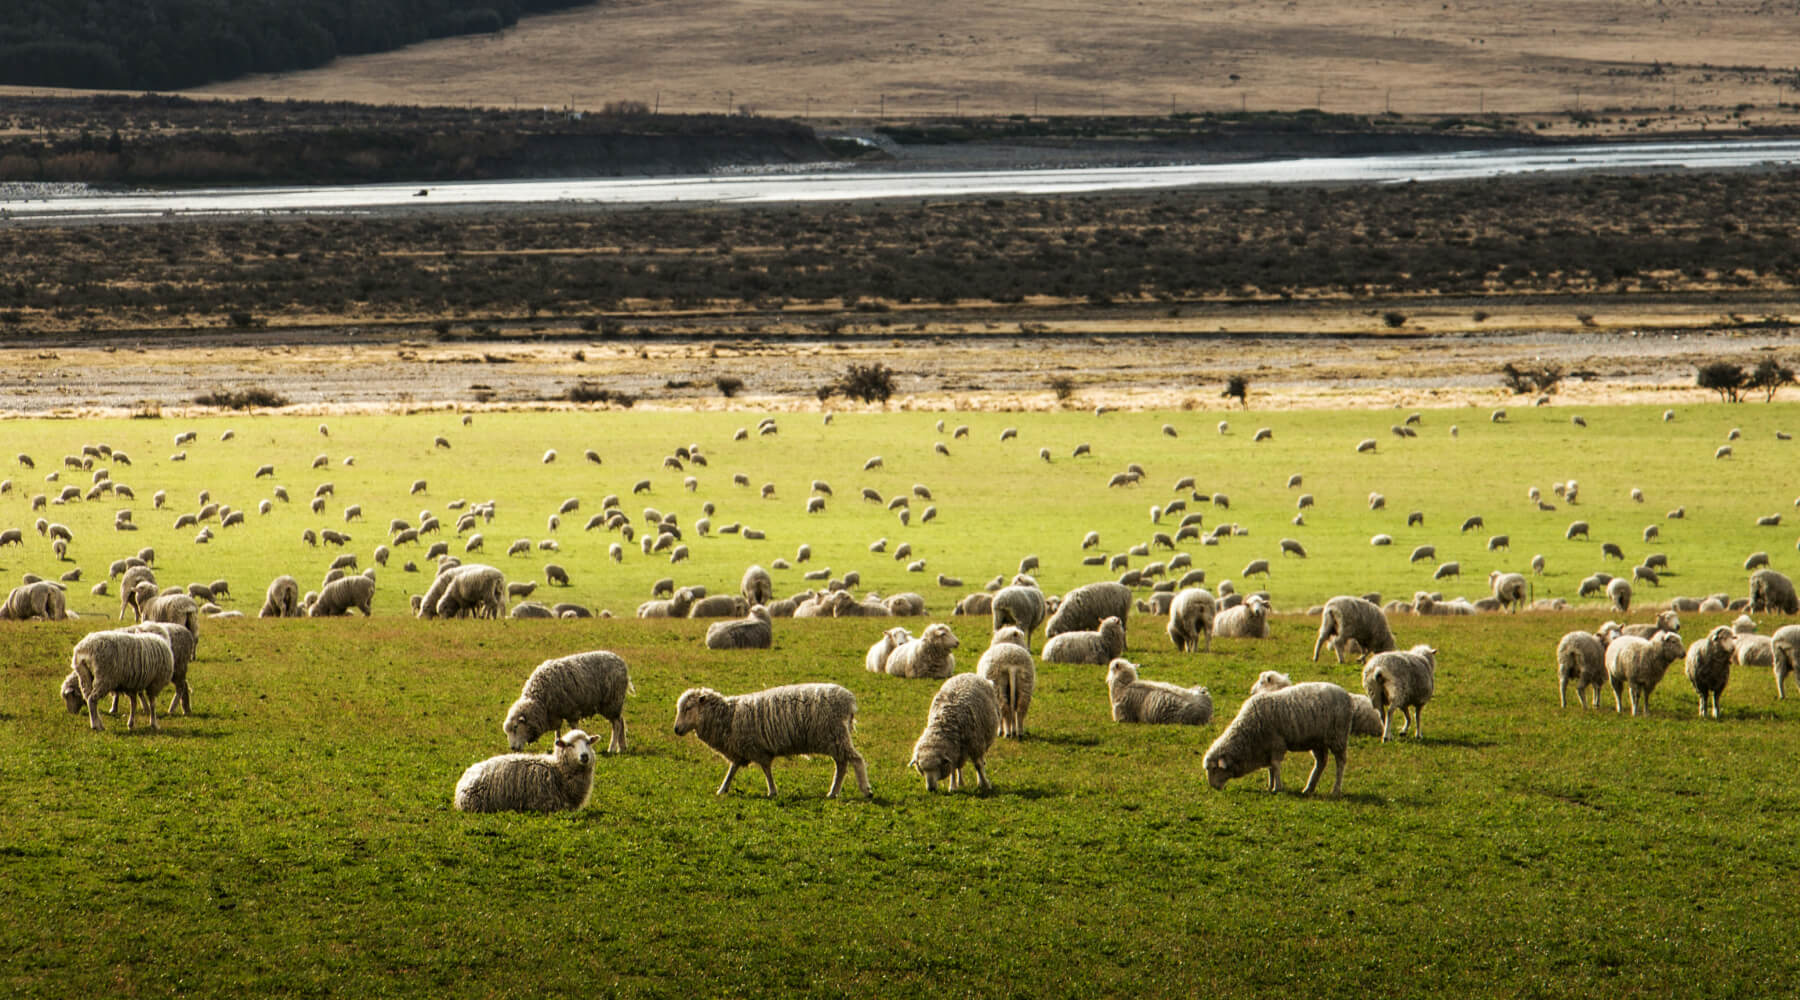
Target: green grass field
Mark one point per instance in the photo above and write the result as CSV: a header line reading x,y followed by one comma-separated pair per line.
x,y
295,836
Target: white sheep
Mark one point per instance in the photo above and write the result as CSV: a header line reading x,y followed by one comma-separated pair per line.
x,y
181,643
1008,666
1249,620
1097,647
138,664
527,782
1581,658
566,690
1191,614
1784,657
343,594
1021,605
1154,702
1402,680
1708,667
470,589
754,631
1639,663
1086,606
929,655
1365,721
875,660
1347,619
959,729
777,722
1316,716
1508,588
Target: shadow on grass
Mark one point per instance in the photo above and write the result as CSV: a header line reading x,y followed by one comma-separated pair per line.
x,y
1062,740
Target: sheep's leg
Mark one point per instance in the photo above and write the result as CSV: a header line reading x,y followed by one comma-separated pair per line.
x,y
730,773
1337,786
131,701
1312,780
769,775
1562,693
1275,773
981,782
150,706
1418,722
93,704
113,709
862,773
1387,718
955,781
1618,703
837,777
1319,644
617,743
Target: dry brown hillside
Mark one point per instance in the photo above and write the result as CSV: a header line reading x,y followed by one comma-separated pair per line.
x,y
837,58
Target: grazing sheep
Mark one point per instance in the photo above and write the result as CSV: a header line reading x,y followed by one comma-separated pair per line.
x,y
474,589
1498,542
752,632
1191,614
756,586
1098,647
1508,588
1447,570
1365,721
777,722
1756,560
1154,702
1709,667
1472,523
959,729
341,595
1639,663
527,782
181,643
1018,605
1316,716
929,655
1772,591
37,599
1365,445
1008,666
1346,620
1619,592
1402,680
178,608
139,665
1083,608
565,690
1249,620
1576,528
1581,658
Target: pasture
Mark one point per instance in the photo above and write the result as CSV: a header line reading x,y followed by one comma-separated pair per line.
x,y
295,834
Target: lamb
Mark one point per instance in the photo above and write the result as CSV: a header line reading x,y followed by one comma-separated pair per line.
x,y
1315,716
525,782
339,596
1709,667
1639,663
752,632
875,660
756,586
1401,680
138,664
565,691
1581,658
1509,589
927,656
1154,702
959,728
1020,605
1249,620
1365,721
777,722
1772,591
1097,647
979,603
1348,619
1086,606
1007,665
1191,615
181,643
1784,658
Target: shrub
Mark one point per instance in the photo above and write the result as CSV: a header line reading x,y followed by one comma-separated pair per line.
x,y
1770,375
729,385
1722,377
1394,318
1521,380
241,399
1238,387
588,392
1063,386
871,383
244,320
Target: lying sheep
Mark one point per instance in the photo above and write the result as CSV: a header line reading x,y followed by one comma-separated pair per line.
x,y
959,729
718,606
1639,663
564,691
526,782
1098,647
1581,658
1154,702
139,665
1402,680
341,595
875,660
1365,721
1509,589
1191,613
979,603
1784,657
1708,667
1772,591
777,722
1315,716
1086,606
1249,620
1007,665
1666,621
1348,619
752,632
929,655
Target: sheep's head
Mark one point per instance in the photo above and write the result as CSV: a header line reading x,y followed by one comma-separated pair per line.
x,y
1271,680
1010,634
693,706
935,765
1669,621
940,636
525,722
1670,645
71,693
1425,650
1121,673
1723,638
1221,769
577,745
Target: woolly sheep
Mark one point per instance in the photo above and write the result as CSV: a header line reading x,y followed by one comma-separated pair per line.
x,y
1083,608
959,729
1348,619
1098,647
1639,663
777,722
875,660
566,690
282,599
1666,621
1316,716
530,609
929,655
37,599
1772,591
718,606
181,644
1365,721
756,586
177,608
1708,667
1018,605
139,665
751,632
1249,620
1154,702
1619,592
1191,614
1447,570
1576,528
1008,666
474,589
523,782
1508,588
1581,658
1402,680
1784,657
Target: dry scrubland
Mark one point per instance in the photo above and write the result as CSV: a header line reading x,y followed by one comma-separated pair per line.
x,y
798,57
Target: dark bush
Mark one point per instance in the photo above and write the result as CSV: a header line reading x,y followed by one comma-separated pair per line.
x,y
871,383
1238,387
1722,377
588,392
1770,375
1394,318
729,385
1063,386
1521,380
241,399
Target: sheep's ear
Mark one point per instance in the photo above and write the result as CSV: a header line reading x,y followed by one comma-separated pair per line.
x,y
560,742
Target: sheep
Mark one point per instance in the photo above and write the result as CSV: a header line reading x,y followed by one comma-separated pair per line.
x,y
1508,588
1365,721
1666,621
1618,592
1708,667
1581,658
1086,606
181,643
1381,540
138,664
566,690
37,599
1772,591
875,660
959,728
530,609
1639,663
1756,561
776,722
1191,614
556,574
1447,570
282,599
718,606
1365,445
339,596
1402,680
1008,666
1018,605
929,655
1316,716
1346,620
756,586
1576,528
526,782
751,632
1098,647
1784,657
1249,620
1154,702
177,608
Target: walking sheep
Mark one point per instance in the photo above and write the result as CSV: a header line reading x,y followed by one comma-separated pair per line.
x,y
527,782
752,632
1086,606
1315,716
565,691
1401,680
1154,702
959,729
1098,647
927,656
1581,658
1709,667
1191,614
139,665
777,722
1007,665
1639,663
1249,620
1350,619
1619,592
1772,591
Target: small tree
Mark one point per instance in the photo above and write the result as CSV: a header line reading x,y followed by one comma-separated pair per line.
x,y
1770,375
729,385
1722,377
1238,387
1521,380
872,383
